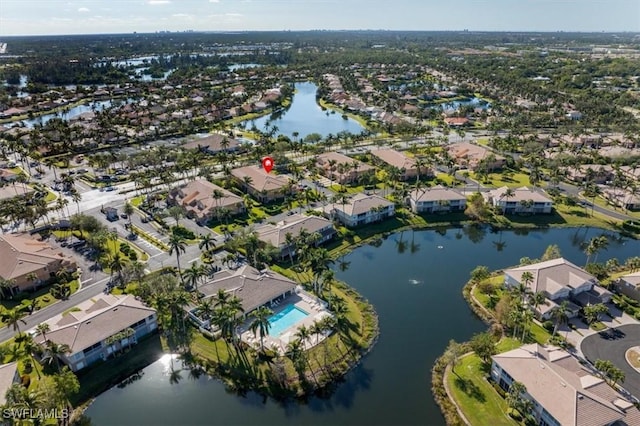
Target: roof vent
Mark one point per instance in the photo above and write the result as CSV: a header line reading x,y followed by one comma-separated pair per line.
x,y
563,384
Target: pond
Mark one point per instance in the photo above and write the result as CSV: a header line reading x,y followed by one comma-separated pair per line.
x,y
414,280
305,117
69,113
474,102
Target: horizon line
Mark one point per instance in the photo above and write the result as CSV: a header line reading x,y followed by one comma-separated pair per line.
x,y
465,30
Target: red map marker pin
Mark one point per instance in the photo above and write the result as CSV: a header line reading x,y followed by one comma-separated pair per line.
x,y
267,164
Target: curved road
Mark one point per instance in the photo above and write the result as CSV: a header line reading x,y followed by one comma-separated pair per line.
x,y
613,349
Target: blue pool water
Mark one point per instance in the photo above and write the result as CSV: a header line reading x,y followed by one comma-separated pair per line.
x,y
285,319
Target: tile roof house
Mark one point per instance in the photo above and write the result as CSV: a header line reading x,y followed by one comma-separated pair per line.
x,y
596,173
214,143
25,258
523,200
468,155
263,186
254,288
99,328
559,280
629,285
563,391
276,234
622,197
361,209
407,165
8,376
437,199
331,164
196,198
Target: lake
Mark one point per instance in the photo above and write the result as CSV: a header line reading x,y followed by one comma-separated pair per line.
x,y
305,117
414,280
71,112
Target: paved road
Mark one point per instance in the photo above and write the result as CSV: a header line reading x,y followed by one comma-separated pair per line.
x,y
597,347
575,191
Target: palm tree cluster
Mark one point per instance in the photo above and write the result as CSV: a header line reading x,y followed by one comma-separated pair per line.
x,y
523,305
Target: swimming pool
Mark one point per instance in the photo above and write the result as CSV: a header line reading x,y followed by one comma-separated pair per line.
x,y
285,319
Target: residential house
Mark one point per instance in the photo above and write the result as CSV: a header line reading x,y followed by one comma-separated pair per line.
x,y
629,285
198,200
563,391
470,156
437,199
523,200
595,173
29,263
214,144
276,234
340,168
99,328
621,197
254,288
559,280
263,186
456,121
8,376
360,210
408,166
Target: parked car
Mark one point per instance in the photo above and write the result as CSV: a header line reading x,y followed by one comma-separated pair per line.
x,y
110,188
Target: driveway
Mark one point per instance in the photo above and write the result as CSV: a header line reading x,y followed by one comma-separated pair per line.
x,y
613,347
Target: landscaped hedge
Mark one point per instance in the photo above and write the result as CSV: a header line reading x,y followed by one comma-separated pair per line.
x,y
447,407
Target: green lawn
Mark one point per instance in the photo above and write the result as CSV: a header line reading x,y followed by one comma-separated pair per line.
x,y
511,179
477,399
445,178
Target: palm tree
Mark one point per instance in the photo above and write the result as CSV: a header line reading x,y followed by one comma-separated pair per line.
x,y
207,242
177,245
317,328
43,329
13,318
261,323
509,193
128,210
30,348
53,351
116,264
193,274
6,286
560,314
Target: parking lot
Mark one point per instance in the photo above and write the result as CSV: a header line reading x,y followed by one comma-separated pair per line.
x,y
612,345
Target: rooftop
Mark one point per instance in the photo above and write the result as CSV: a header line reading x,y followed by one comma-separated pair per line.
x,y
569,392
96,319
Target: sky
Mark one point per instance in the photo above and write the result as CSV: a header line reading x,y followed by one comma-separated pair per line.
x,y
41,17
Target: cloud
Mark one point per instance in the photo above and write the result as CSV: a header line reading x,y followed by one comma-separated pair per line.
x,y
214,1
181,15
158,2
83,10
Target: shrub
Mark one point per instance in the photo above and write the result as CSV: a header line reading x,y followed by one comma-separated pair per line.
x,y
183,232
133,256
548,325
